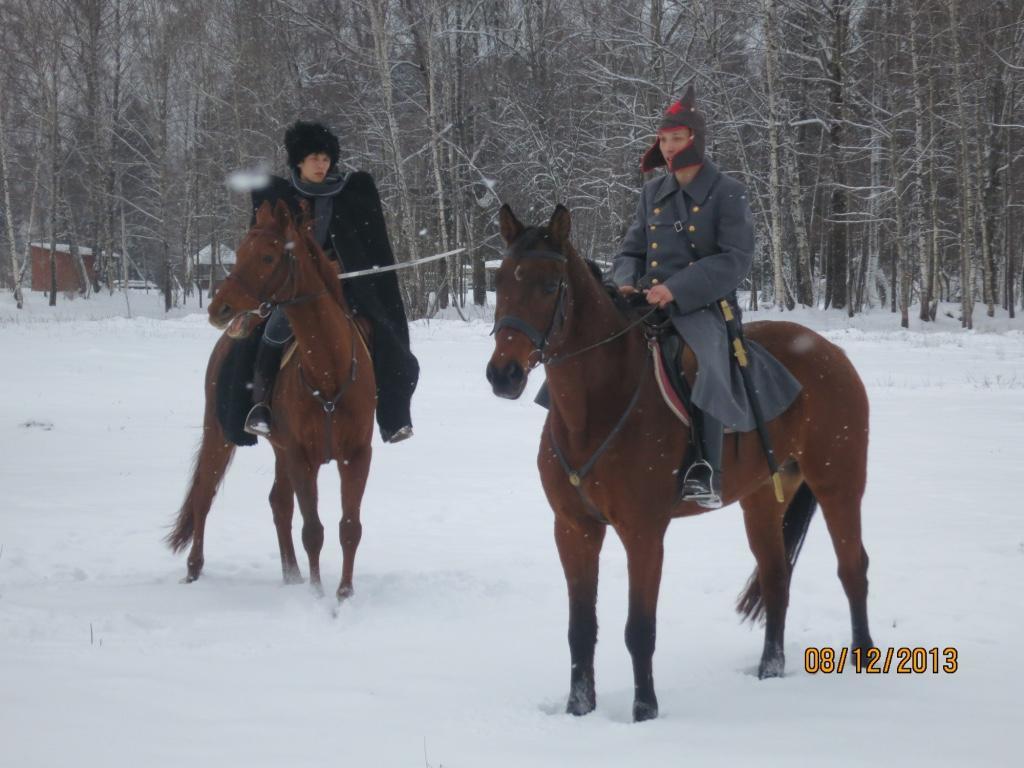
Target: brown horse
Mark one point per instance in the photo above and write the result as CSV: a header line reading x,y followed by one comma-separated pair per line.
x,y
611,448
324,396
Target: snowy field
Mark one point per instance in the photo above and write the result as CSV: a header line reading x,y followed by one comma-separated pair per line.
x,y
452,652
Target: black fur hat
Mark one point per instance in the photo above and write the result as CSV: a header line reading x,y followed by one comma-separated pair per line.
x,y
304,139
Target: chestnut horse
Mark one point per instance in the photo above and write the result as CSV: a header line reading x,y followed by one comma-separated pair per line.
x,y
609,422
324,396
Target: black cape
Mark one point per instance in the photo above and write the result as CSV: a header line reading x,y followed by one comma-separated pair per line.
x,y
358,238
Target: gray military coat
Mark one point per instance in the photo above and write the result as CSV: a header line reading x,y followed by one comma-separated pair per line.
x,y
699,242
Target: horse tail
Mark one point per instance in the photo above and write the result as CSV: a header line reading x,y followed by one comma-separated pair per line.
x,y
794,530
209,466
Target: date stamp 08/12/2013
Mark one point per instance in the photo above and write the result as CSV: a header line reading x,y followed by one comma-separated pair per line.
x,y
903,660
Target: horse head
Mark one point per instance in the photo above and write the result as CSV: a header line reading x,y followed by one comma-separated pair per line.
x,y
531,298
264,274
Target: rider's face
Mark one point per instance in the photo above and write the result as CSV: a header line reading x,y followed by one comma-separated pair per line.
x,y
673,141
314,167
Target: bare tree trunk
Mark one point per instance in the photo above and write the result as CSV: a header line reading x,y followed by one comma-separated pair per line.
x,y
430,62
111,172
74,251
900,253
804,273
967,207
925,257
378,10
54,177
8,210
836,294
782,299
1010,242
867,290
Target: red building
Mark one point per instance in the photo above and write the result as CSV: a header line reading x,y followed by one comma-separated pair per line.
x,y
68,276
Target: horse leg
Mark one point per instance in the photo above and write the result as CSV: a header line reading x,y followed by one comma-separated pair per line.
x,y
303,478
211,463
579,541
839,492
842,516
354,470
762,516
644,554
282,503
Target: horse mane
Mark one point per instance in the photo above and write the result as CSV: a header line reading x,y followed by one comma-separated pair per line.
x,y
303,227
628,306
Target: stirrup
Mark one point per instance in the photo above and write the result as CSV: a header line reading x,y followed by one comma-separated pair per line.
x,y
257,422
697,490
400,434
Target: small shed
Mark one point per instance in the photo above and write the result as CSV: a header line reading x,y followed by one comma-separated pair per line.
x,y
213,265
68,276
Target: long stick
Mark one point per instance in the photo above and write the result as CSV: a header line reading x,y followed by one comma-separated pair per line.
x,y
395,267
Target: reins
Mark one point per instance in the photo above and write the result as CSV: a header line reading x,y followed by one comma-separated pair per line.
x,y
576,476
540,340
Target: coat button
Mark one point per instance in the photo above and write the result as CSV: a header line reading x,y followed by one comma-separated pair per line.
x,y
654,281
654,245
696,209
692,228
653,227
654,264
657,211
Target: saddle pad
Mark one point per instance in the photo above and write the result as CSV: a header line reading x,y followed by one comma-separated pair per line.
x,y
293,345
668,393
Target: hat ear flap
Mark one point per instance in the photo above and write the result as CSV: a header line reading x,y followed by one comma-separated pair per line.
x,y
652,158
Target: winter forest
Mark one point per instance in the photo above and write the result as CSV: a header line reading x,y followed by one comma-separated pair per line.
x,y
880,140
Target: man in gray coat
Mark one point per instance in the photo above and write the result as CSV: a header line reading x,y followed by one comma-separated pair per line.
x,y
691,244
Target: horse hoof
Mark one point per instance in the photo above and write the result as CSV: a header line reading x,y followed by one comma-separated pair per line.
x,y
188,578
345,592
317,588
773,667
581,703
293,577
643,710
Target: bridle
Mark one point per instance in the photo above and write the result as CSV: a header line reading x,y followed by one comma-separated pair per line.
x,y
267,301
540,340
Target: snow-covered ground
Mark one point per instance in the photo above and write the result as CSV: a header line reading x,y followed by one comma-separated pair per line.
x,y
453,652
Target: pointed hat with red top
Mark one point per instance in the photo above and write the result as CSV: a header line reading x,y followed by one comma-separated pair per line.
x,y
681,114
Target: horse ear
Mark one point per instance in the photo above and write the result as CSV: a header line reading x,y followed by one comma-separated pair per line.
x,y
560,225
510,226
265,215
282,215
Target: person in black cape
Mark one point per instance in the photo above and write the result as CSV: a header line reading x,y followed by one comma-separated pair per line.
x,y
348,222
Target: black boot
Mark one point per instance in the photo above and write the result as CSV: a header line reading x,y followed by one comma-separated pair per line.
x,y
397,372
268,359
703,480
